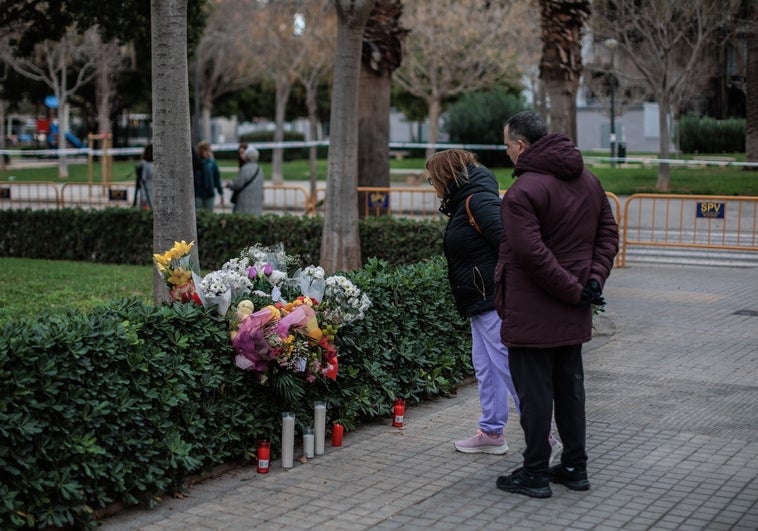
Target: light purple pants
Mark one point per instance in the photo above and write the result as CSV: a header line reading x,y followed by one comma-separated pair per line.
x,y
490,359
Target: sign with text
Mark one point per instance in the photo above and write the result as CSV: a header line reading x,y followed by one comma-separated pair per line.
x,y
379,200
117,194
706,209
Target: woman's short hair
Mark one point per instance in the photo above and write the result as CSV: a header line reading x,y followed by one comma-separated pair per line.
x,y
251,154
450,165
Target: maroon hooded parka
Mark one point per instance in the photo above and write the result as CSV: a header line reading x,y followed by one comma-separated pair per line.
x,y
558,232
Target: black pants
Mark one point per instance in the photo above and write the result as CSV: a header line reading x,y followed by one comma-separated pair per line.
x,y
543,377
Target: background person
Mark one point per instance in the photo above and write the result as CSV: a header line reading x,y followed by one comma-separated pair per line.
x,y
247,187
241,154
558,244
146,171
207,178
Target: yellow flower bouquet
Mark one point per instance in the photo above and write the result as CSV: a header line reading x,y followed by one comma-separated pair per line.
x,y
175,268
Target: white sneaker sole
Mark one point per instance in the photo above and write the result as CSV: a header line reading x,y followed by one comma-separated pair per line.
x,y
494,450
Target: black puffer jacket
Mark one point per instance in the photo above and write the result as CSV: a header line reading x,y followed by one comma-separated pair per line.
x,y
471,257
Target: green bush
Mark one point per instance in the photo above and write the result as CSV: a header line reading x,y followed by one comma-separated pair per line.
x,y
124,402
478,118
125,236
702,134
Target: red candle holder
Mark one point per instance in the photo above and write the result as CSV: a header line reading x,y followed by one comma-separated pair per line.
x,y
399,413
337,431
264,456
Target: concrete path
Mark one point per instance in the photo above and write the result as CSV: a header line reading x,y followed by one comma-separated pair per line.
x,y
672,411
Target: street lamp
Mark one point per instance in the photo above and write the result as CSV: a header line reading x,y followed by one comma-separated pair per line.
x,y
611,45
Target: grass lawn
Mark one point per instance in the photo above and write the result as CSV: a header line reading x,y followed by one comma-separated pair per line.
x,y
621,180
28,287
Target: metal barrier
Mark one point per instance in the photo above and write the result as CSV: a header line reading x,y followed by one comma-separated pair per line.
x,y
714,222
411,202
39,194
727,223
97,196
277,199
286,199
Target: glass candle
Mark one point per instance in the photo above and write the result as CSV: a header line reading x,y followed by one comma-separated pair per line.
x,y
319,426
264,454
308,442
337,432
288,439
399,413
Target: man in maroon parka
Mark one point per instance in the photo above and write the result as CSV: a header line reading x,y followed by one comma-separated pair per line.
x,y
557,249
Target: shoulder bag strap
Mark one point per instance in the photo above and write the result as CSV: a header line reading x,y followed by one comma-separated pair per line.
x,y
251,179
471,218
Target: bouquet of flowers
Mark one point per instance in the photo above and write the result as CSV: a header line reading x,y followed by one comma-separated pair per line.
x,y
175,268
283,337
295,328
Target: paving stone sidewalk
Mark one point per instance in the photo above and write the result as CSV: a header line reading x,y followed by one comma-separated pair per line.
x,y
672,427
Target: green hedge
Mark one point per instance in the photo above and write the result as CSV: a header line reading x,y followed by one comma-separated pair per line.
x,y
124,402
125,236
702,134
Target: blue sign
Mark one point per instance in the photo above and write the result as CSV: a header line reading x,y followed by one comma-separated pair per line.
x,y
51,102
707,209
380,200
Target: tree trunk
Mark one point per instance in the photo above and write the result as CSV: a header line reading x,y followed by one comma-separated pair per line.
x,y
562,96
435,108
3,133
173,201
340,242
751,92
62,127
664,168
207,110
311,102
283,87
373,130
104,92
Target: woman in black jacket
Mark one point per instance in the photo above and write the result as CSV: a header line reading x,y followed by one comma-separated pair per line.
x,y
470,198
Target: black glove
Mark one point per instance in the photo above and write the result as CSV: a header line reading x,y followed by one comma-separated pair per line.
x,y
592,294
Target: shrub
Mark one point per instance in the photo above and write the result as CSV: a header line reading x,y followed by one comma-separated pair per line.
x,y
478,118
75,234
124,402
707,135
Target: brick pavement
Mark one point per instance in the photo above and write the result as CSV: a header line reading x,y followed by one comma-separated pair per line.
x,y
672,426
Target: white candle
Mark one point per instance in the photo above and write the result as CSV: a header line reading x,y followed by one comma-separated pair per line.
x,y
288,439
319,426
308,441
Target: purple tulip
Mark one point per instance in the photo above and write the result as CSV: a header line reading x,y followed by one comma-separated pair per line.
x,y
252,272
267,270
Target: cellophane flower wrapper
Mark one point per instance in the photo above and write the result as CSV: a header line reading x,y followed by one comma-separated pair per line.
x,y
175,268
313,282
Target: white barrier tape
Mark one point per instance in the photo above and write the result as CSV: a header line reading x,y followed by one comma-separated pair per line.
x,y
137,151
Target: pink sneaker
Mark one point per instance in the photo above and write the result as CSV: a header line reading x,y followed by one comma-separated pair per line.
x,y
482,443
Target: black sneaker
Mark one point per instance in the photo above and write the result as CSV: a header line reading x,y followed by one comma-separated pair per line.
x,y
522,482
575,478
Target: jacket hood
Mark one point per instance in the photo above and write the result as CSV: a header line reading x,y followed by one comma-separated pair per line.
x,y
554,154
480,179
